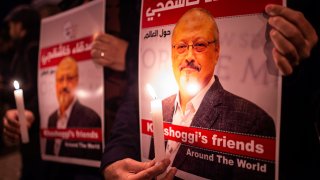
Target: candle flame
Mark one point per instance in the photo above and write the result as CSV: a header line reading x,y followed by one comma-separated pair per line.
x,y
151,91
16,84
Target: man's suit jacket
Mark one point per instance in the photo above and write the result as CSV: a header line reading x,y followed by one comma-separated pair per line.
x,y
80,117
220,110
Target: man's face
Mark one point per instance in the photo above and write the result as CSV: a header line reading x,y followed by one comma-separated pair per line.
x,y
66,83
194,64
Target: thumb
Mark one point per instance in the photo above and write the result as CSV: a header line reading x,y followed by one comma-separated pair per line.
x,y
29,118
136,166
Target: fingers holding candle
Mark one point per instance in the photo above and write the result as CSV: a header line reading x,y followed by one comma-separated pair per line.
x,y
11,125
171,173
29,118
132,169
18,94
157,169
11,128
11,131
10,121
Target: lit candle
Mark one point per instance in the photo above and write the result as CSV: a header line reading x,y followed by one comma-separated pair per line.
x,y
18,94
157,119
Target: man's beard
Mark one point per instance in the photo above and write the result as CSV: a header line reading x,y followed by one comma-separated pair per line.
x,y
189,84
64,100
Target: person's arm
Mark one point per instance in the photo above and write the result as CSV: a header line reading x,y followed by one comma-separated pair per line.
x,y
292,35
11,126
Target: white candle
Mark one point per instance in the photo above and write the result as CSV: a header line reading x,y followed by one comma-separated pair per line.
x,y
157,119
18,94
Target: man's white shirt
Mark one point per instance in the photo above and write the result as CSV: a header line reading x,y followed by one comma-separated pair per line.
x,y
62,124
184,119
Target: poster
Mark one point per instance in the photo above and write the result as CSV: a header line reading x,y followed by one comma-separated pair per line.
x,y
219,89
70,86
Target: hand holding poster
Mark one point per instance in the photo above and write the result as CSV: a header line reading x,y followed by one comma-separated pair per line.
x,y
71,87
220,91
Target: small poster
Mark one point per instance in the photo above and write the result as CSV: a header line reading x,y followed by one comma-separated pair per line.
x,y
209,91
70,86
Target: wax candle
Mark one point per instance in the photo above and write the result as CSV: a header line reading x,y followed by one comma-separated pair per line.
x,y
157,119
18,94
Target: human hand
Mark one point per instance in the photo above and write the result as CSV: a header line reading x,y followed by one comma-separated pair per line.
x,y
292,35
109,51
11,126
131,169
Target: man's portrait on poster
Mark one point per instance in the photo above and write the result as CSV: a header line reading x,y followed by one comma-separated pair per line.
x,y
71,114
202,102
